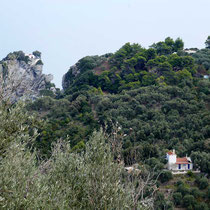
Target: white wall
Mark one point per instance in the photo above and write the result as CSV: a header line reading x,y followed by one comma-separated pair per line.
x,y
175,167
172,159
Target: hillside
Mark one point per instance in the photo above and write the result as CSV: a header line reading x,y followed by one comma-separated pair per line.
x,y
158,92
153,100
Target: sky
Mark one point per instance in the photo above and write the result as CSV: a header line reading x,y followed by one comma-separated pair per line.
x,y
67,30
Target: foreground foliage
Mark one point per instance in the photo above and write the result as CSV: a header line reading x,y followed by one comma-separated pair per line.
x,y
69,180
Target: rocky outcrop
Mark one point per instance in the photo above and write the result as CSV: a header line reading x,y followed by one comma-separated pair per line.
x,y
21,76
72,73
88,63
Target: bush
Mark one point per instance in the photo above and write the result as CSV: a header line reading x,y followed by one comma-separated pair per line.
x,y
14,125
203,183
37,54
177,197
188,201
208,193
68,180
166,176
195,192
190,174
183,190
201,206
179,182
161,203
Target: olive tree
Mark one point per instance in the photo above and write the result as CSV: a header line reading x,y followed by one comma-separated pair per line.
x,y
70,180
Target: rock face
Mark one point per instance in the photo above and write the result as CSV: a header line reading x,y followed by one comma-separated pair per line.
x,y
73,72
21,76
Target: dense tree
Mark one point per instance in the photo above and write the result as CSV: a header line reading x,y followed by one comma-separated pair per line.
x,y
208,42
165,176
15,125
188,201
88,180
178,45
202,183
177,197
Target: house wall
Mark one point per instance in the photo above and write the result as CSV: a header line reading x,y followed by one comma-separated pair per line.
x,y
172,166
172,159
175,167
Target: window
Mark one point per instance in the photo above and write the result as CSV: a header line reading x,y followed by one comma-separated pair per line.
x,y
179,166
188,166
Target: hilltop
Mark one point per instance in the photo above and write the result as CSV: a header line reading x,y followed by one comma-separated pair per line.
x,y
21,76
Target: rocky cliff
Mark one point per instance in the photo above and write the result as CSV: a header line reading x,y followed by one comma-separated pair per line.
x,y
21,76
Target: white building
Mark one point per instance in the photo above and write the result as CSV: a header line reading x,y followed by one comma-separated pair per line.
x,y
178,164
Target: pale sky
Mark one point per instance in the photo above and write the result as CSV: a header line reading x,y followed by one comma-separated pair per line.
x,y
67,30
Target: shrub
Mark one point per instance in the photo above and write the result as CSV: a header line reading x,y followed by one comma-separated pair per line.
x,y
195,192
162,203
208,193
166,176
203,183
190,174
201,206
183,190
177,197
68,180
14,125
37,54
179,182
46,93
188,201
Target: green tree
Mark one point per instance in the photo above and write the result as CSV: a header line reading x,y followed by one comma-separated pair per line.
x,y
203,183
165,176
177,197
169,41
178,45
188,201
68,180
37,54
15,124
140,62
162,48
183,190
183,75
208,42
201,206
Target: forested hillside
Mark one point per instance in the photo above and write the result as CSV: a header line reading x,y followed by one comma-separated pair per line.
x,y
143,102
157,96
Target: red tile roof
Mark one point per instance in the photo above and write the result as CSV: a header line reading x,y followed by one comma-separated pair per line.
x,y
182,160
170,153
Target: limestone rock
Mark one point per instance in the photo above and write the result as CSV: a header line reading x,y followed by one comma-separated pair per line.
x,y
21,76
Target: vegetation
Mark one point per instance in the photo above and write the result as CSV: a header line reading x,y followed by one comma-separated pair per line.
x,y
86,180
37,54
188,195
159,101
146,101
208,42
202,58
